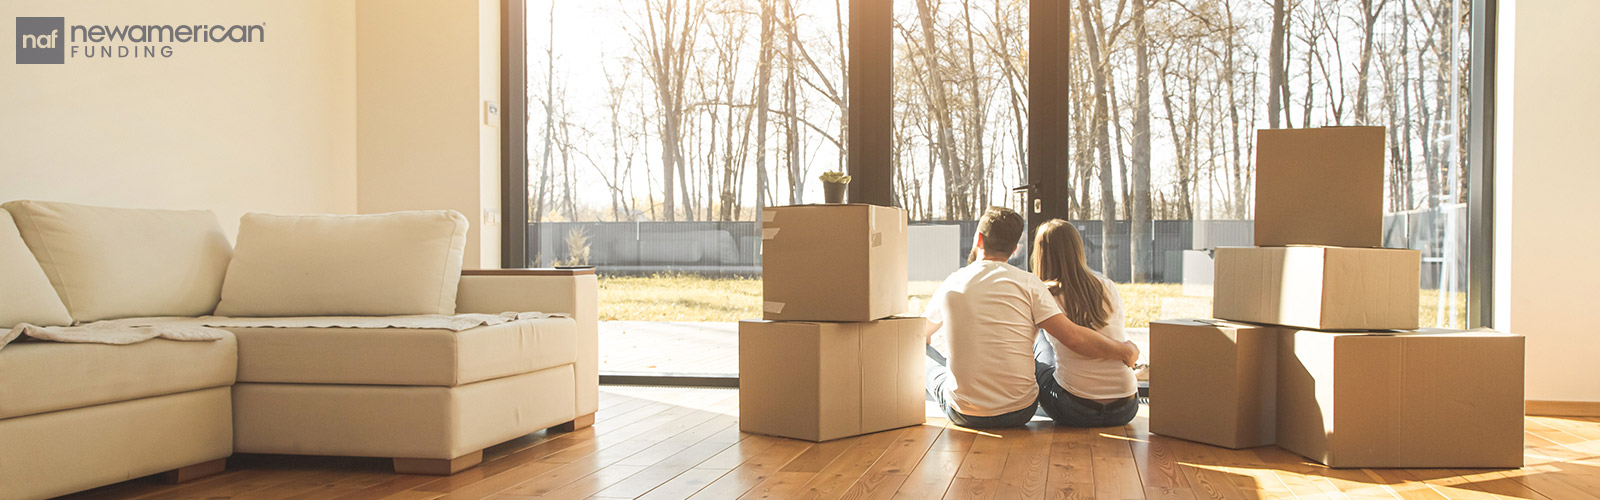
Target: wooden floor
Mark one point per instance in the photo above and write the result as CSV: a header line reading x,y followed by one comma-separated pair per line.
x,y
665,443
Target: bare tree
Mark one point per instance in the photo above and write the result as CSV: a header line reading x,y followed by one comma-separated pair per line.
x,y
1141,234
666,44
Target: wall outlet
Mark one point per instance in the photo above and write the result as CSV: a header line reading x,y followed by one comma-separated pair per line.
x,y
491,113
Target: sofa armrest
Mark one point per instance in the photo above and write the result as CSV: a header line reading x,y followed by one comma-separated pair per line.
x,y
570,291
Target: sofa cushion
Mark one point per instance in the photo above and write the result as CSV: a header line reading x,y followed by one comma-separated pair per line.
x,y
25,293
397,356
108,263
39,377
346,265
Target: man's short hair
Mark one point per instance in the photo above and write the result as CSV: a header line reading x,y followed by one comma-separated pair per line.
x,y
1001,229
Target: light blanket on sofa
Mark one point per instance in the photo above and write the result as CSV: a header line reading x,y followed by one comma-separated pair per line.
x,y
454,323
115,332
207,328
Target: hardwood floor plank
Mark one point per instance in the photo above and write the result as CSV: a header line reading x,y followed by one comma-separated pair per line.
x,y
752,472
1404,485
590,484
820,455
967,488
1493,482
1153,454
663,471
1027,464
781,486
875,487
1206,477
1071,473
1298,475
734,456
834,479
685,485
931,477
907,451
986,457
676,443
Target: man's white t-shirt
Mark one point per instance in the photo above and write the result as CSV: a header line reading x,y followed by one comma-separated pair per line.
x,y
988,314
1091,378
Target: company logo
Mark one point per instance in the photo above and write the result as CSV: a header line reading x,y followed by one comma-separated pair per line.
x,y
41,40
48,40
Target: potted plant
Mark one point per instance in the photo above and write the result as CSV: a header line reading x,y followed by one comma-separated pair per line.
x,y
833,186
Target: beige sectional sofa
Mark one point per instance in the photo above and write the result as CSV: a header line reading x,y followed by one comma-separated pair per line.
x,y
75,416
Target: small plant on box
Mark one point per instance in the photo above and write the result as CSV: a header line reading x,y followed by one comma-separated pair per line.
x,y
833,186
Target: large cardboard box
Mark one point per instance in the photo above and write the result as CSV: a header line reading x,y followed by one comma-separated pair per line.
x,y
1214,382
821,381
833,262
1319,288
1425,399
1320,186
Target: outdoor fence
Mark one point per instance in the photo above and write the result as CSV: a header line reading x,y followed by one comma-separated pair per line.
x,y
733,248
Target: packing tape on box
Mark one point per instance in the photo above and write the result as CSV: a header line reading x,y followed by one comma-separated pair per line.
x,y
768,214
877,239
772,307
769,233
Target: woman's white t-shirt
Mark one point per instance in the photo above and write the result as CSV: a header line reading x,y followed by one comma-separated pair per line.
x,y
988,314
1092,378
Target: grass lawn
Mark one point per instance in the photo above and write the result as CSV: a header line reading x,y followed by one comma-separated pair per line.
x,y
682,297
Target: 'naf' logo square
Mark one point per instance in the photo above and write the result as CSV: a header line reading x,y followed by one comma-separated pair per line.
x,y
41,40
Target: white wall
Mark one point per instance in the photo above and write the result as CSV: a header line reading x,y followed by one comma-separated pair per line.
x,y
425,69
266,126
1548,192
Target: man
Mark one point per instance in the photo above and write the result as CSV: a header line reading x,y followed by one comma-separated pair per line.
x,y
982,322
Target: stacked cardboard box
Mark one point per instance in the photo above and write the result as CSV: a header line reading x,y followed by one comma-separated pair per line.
x,y
828,360
1321,354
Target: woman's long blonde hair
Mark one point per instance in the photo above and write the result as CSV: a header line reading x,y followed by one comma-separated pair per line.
x,y
1059,260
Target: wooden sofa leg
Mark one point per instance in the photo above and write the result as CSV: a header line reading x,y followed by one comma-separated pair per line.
x,y
196,471
577,423
437,466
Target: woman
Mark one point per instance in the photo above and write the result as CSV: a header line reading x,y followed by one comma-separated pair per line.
x,y
1077,390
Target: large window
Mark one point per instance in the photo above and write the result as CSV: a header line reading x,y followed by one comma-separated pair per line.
x,y
654,131
1167,96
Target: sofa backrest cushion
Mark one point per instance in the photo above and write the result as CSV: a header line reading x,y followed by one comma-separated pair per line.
x,y
346,265
25,293
108,263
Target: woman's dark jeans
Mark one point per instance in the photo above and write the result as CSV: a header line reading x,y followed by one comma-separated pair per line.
x,y
1067,409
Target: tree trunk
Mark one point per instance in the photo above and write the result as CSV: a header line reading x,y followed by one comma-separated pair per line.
x,y
940,109
1102,135
549,120
1277,74
1369,17
763,81
1141,232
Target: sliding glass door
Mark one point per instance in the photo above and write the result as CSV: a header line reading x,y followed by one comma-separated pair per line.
x,y
652,133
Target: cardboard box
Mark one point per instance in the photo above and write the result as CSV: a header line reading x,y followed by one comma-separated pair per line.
x,y
1319,288
1214,382
833,262
1425,399
823,381
1320,186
